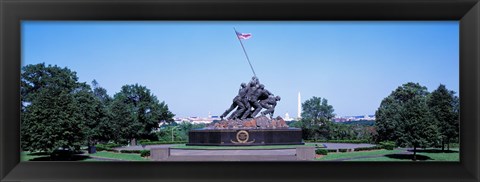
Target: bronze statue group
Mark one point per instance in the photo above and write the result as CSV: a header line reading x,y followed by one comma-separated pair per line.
x,y
251,99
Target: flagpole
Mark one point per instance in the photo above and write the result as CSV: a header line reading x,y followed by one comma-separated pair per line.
x,y
246,55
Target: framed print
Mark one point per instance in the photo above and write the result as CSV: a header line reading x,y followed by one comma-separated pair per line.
x,y
239,90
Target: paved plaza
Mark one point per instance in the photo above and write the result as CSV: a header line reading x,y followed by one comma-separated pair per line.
x,y
236,155
261,152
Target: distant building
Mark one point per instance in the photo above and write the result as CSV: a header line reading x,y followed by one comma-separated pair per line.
x,y
354,118
287,117
197,120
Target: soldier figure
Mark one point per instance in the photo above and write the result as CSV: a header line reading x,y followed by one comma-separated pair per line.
x,y
237,102
255,80
264,95
253,101
251,88
269,104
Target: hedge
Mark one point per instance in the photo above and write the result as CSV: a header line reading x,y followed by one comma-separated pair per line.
x,y
389,145
368,148
107,147
339,141
141,142
321,151
331,150
130,151
163,142
145,153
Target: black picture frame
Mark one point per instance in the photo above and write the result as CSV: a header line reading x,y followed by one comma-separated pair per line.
x,y
14,11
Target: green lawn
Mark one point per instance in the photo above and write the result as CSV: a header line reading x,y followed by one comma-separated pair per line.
x,y
183,146
443,156
380,159
27,156
121,156
340,155
431,155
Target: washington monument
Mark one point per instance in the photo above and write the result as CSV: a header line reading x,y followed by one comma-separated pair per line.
x,y
299,109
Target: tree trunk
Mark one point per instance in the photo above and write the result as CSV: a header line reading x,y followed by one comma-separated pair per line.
x,y
448,144
414,153
443,144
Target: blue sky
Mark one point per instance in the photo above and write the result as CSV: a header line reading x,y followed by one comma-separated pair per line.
x,y
197,67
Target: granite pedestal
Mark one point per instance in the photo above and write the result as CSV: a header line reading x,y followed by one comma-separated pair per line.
x,y
243,137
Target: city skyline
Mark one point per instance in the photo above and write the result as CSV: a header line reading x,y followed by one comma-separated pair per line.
x,y
197,67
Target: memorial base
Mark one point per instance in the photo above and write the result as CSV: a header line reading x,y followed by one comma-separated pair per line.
x,y
245,137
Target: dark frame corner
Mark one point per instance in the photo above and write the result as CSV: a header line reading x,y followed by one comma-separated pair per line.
x,y
12,12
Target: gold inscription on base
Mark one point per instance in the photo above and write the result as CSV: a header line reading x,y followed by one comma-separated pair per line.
x,y
242,138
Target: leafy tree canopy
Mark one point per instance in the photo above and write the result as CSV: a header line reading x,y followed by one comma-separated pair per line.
x,y
444,106
54,106
404,117
137,112
317,109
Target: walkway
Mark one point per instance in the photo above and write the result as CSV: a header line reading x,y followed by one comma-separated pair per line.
x,y
237,155
232,155
328,145
178,152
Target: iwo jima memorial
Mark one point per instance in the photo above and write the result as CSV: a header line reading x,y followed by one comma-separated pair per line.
x,y
247,124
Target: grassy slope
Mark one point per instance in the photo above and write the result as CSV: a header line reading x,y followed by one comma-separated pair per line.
x,y
340,155
121,156
27,156
433,157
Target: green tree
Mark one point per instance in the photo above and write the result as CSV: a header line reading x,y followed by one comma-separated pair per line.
x,y
443,105
101,93
88,111
387,119
52,101
404,117
103,130
316,118
136,113
317,109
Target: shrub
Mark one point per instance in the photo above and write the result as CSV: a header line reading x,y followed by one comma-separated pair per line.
x,y
343,150
321,151
454,145
367,148
145,153
331,150
100,147
130,151
143,141
339,141
389,145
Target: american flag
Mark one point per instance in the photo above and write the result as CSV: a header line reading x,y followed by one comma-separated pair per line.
x,y
244,36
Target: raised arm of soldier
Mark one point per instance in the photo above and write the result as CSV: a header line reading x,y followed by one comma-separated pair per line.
x,y
255,80
265,94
